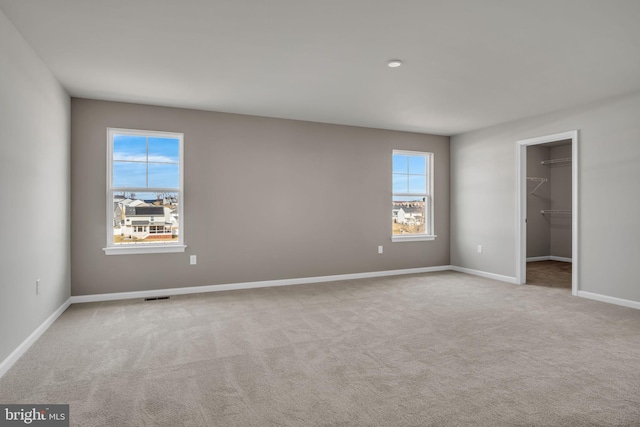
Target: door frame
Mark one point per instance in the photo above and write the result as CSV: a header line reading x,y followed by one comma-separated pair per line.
x,y
521,234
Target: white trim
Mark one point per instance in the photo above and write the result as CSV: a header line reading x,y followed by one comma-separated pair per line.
x,y
412,237
494,276
144,249
549,258
610,300
575,212
411,152
16,354
521,214
251,285
521,207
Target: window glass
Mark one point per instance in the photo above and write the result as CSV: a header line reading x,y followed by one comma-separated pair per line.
x,y
144,190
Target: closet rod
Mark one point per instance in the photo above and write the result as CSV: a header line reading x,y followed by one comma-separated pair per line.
x,y
554,211
551,161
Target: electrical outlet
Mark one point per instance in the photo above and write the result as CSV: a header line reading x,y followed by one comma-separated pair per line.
x,y
38,287
193,260
380,249
479,249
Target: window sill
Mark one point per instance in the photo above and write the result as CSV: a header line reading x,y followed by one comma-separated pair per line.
x,y
413,238
143,249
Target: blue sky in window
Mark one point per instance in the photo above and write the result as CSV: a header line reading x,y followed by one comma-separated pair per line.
x,y
133,148
409,174
403,183
139,161
404,163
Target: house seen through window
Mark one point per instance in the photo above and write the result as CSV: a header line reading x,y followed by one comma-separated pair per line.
x,y
412,210
144,191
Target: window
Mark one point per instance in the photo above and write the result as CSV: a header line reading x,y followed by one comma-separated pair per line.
x,y
412,207
144,192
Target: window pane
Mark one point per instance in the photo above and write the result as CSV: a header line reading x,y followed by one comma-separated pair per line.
x,y
400,183
145,218
417,165
164,150
164,175
130,148
127,174
408,215
141,167
400,163
417,184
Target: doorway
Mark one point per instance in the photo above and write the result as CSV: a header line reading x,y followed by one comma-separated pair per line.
x,y
534,196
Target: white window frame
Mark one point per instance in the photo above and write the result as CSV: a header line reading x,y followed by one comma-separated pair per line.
x,y
429,234
144,248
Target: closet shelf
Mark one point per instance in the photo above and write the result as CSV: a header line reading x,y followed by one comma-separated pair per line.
x,y
540,181
554,211
553,161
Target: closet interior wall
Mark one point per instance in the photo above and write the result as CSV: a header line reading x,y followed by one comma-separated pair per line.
x,y
549,235
560,190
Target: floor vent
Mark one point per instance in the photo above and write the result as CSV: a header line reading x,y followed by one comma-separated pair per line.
x,y
156,298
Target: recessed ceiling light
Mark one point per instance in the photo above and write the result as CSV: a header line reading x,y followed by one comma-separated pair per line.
x,y
394,63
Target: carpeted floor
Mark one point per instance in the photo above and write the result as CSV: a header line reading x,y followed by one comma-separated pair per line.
x,y
555,274
439,349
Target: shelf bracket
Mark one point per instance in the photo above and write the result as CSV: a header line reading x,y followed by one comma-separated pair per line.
x,y
540,181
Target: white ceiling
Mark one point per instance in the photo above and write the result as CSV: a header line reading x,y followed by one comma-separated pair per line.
x,y
468,64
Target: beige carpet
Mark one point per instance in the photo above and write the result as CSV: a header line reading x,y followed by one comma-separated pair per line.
x,y
440,349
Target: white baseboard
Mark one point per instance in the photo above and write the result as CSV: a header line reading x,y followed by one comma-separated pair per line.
x,y
548,258
250,285
610,300
499,277
7,363
539,258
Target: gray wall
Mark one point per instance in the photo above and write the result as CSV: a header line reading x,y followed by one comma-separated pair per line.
x,y
560,185
538,227
483,193
264,199
34,172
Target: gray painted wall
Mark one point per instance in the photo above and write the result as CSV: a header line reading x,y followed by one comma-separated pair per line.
x,y
538,227
560,185
34,172
483,193
265,199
